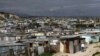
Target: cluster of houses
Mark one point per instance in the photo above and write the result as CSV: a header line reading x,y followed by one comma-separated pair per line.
x,y
46,34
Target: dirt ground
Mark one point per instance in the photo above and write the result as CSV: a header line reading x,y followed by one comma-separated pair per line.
x,y
92,48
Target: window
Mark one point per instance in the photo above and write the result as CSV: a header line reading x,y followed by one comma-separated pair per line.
x,y
93,37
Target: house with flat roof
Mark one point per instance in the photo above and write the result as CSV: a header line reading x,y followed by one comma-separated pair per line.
x,y
91,38
70,43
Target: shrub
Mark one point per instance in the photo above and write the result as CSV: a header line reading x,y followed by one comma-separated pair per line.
x,y
46,54
96,54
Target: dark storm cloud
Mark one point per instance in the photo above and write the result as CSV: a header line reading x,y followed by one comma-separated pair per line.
x,y
52,7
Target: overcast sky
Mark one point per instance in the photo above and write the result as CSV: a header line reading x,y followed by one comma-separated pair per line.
x,y
52,7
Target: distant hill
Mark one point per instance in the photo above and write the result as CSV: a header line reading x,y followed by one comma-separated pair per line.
x,y
4,15
19,16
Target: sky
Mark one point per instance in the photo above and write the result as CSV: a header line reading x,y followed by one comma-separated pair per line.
x,y
51,7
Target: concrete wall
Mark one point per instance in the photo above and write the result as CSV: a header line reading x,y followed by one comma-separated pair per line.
x,y
87,38
71,47
76,45
40,50
61,47
95,39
